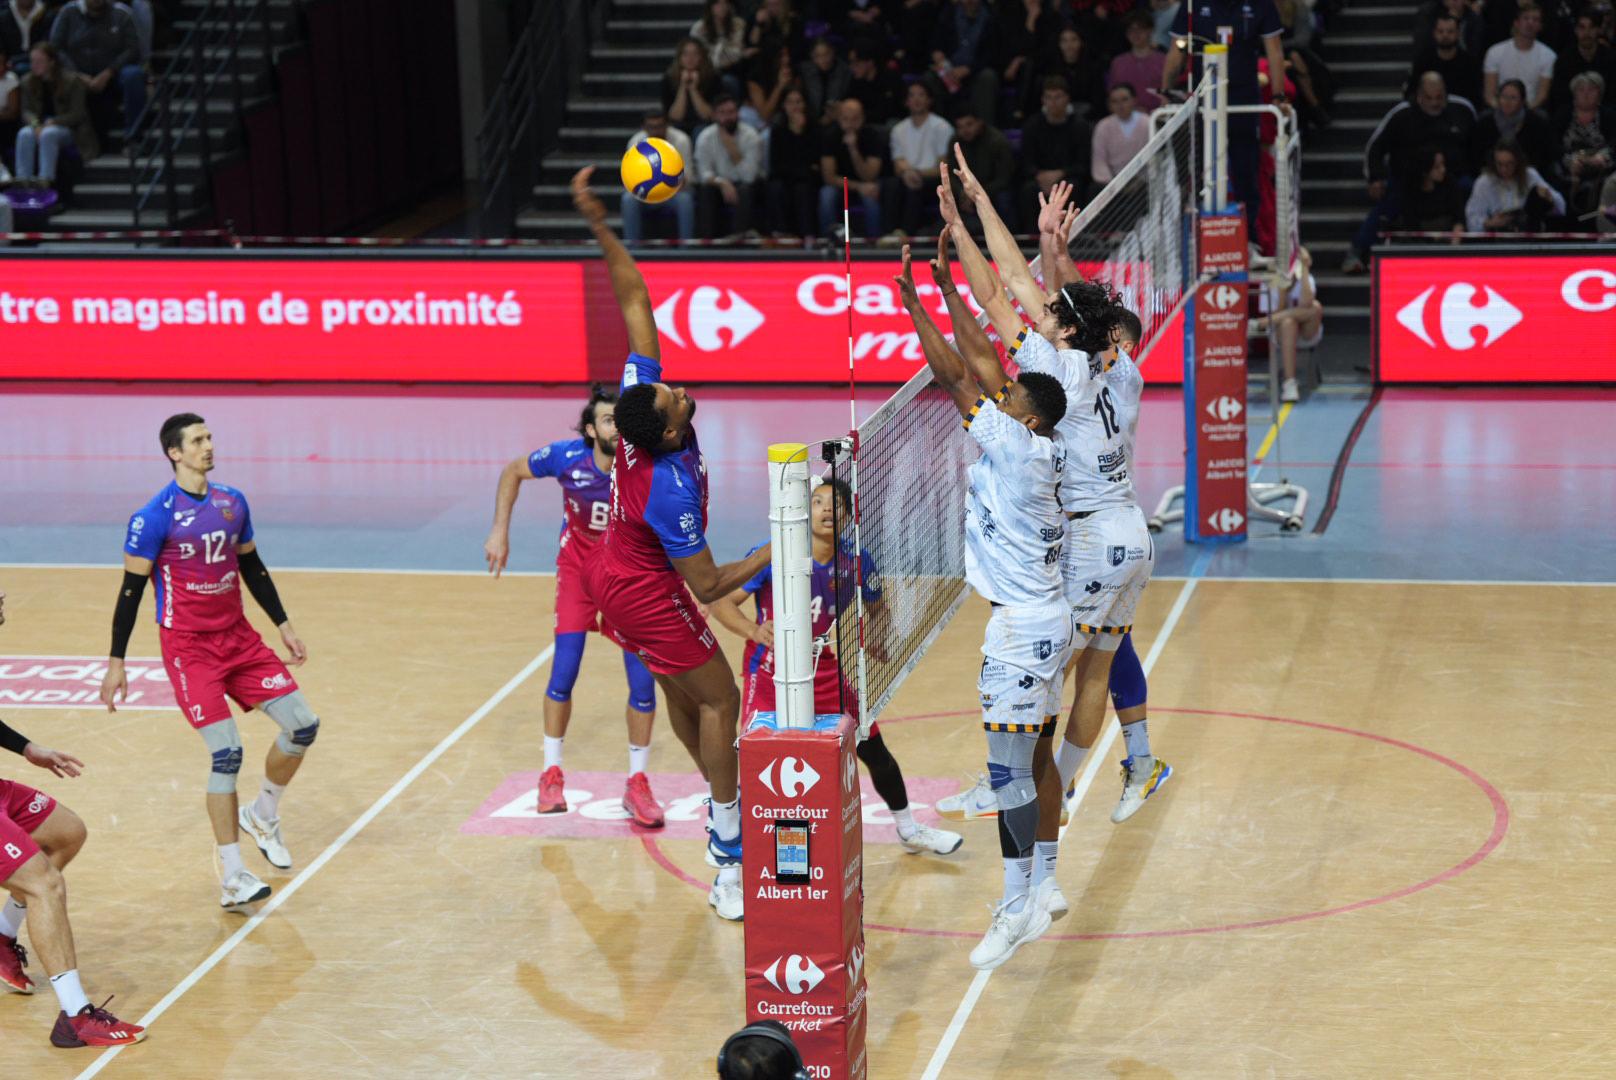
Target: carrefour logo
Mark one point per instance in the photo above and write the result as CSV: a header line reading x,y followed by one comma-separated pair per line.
x,y
795,777
1459,316
1224,408
799,975
1227,520
705,319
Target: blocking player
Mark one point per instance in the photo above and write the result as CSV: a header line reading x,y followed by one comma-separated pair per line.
x,y
583,468
832,503
654,565
38,838
1013,536
194,540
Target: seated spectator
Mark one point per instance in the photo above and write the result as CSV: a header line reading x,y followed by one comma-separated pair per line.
x,y
1084,74
991,160
682,205
965,53
1119,137
1141,66
55,118
1432,202
824,79
857,152
1467,13
1584,144
1297,320
1513,120
918,144
1460,70
776,26
22,24
774,71
1586,54
1510,195
1314,86
1607,207
794,144
856,20
689,86
729,161
917,25
1055,146
877,87
1026,27
723,34
100,42
1522,57
1430,120
1100,23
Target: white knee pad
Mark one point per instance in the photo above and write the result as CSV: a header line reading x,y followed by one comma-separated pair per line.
x,y
224,743
299,726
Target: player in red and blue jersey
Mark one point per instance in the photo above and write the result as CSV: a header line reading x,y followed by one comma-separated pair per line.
x,y
583,468
833,691
654,566
194,541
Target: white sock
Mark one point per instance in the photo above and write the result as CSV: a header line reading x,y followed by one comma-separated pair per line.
x,y
1137,740
69,992
1043,859
1017,883
727,819
728,875
1069,760
11,918
905,820
552,752
230,857
268,804
638,757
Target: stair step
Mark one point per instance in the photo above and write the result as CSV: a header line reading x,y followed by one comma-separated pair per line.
x,y
1370,67
660,55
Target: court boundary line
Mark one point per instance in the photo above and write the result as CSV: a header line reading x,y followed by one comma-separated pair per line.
x,y
274,902
302,570
1091,769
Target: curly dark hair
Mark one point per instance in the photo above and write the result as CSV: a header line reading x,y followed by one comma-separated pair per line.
x,y
639,420
599,394
1048,399
1086,312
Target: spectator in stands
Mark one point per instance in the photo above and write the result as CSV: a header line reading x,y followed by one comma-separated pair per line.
x,y
775,26
773,70
862,19
1431,120
825,79
1586,54
1585,142
723,34
1513,120
1467,13
965,54
1026,27
1297,320
877,87
1510,195
10,116
1055,146
794,144
1522,57
858,153
1141,66
1434,202
1296,16
992,162
100,42
1100,23
682,205
1607,207
22,23
919,143
689,86
55,118
1119,137
729,160
1460,70
1084,74
917,25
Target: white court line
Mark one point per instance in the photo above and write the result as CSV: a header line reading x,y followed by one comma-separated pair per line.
x,y
325,856
298,570
1091,769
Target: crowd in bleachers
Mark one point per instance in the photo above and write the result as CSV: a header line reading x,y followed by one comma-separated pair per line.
x,y
1508,127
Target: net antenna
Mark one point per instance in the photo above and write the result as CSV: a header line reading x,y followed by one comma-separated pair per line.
x,y
792,584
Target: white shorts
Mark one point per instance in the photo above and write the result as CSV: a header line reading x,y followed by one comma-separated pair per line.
x,y
1024,655
1106,565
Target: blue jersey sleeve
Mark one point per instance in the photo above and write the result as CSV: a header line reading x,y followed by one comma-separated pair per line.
x,y
758,580
673,511
246,534
871,576
551,460
638,370
148,528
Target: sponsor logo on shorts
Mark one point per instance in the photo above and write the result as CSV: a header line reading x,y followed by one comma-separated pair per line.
x,y
1092,587
41,800
278,681
795,777
1116,553
1044,649
1027,682
794,974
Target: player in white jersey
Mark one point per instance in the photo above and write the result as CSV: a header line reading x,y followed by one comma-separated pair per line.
x,y
1013,538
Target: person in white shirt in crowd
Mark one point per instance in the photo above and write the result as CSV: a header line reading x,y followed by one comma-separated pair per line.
x,y
682,205
1119,137
1510,195
919,144
1297,319
1522,57
729,160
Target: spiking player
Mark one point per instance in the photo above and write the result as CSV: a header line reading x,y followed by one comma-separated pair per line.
x,y
38,838
1013,532
583,468
831,504
195,539
655,556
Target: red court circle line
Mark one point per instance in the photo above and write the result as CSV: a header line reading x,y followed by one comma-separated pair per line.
x,y
1500,827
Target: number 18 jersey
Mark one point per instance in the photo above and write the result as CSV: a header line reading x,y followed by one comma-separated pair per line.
x,y
191,541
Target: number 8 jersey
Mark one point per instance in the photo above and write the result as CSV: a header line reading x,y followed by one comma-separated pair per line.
x,y
191,541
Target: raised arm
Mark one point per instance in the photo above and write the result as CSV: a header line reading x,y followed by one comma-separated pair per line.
x,y
986,288
946,366
1001,245
628,284
1055,220
981,358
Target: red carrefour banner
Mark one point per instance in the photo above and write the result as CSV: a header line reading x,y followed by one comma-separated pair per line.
x,y
1522,317
1215,506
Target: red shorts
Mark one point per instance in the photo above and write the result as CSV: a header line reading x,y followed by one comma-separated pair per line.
x,y
22,810
832,694
652,615
574,611
205,667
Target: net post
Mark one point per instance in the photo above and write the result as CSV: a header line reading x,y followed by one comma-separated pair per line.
x,y
1215,124
792,584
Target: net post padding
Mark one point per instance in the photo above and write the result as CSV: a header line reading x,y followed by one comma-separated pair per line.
x,y
792,584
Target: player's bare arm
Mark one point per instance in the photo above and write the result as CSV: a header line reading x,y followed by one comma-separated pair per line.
x,y
628,284
1001,244
986,288
1055,220
710,582
115,683
497,548
727,610
255,575
946,366
981,358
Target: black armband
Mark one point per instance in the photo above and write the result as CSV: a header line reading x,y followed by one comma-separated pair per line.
x,y
256,576
124,615
12,740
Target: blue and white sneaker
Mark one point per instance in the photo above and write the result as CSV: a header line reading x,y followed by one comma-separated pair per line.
x,y
726,896
1139,785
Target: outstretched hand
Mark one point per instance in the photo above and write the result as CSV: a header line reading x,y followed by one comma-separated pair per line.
x,y
906,282
945,197
942,274
968,181
586,201
1063,231
1053,208
58,763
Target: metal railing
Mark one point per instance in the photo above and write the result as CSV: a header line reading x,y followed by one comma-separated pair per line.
x,y
205,67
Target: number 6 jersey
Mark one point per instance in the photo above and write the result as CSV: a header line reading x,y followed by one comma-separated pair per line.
x,y
191,541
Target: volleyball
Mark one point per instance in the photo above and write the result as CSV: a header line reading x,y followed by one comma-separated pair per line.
x,y
653,170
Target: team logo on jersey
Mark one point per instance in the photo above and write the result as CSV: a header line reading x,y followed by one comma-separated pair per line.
x,y
796,777
800,974
1116,553
229,514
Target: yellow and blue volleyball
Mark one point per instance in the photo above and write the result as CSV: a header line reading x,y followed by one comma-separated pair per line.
x,y
653,170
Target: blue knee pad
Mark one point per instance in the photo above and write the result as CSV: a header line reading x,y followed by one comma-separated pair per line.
x,y
569,653
1128,690
224,747
641,684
